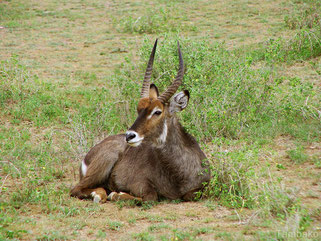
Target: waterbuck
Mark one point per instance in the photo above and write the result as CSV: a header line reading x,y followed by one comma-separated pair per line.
x,y
155,158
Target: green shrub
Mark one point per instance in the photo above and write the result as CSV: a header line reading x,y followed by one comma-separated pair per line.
x,y
304,14
305,44
240,180
14,80
233,175
228,97
163,19
297,155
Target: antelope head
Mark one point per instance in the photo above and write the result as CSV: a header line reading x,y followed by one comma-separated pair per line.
x,y
154,110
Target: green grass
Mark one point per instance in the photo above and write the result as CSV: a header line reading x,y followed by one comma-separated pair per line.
x,y
154,21
306,14
13,11
297,155
239,100
303,45
156,227
114,225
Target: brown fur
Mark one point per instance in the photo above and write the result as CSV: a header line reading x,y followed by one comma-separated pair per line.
x,y
151,170
145,107
166,162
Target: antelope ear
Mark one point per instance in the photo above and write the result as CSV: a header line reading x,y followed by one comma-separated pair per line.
x,y
153,91
179,102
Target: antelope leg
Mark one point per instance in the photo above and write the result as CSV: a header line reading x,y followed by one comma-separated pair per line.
x,y
115,196
98,194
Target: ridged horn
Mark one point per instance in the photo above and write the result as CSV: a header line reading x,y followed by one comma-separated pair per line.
x,y
177,82
148,73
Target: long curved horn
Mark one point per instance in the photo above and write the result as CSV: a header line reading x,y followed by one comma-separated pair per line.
x,y
177,82
148,73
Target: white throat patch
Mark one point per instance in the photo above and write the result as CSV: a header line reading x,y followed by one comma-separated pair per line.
x,y
83,168
162,138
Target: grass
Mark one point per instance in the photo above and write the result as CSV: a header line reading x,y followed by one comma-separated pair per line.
x,y
304,15
297,155
114,225
304,44
65,85
163,19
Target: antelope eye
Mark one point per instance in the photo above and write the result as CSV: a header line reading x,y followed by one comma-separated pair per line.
x,y
157,112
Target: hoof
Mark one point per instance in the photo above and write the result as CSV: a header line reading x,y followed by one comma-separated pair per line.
x,y
96,197
99,195
112,196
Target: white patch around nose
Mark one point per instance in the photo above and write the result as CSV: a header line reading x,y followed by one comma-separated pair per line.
x,y
137,140
153,112
83,168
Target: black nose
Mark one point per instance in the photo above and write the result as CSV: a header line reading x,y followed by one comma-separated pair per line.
x,y
130,136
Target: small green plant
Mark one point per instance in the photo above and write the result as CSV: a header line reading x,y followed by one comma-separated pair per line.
x,y
126,203
181,234
157,227
153,218
317,161
202,230
276,201
132,219
211,205
53,235
12,234
224,235
297,155
143,236
70,211
232,175
148,205
280,166
114,225
101,234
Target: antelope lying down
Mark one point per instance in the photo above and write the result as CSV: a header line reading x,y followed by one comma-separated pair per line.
x,y
155,158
